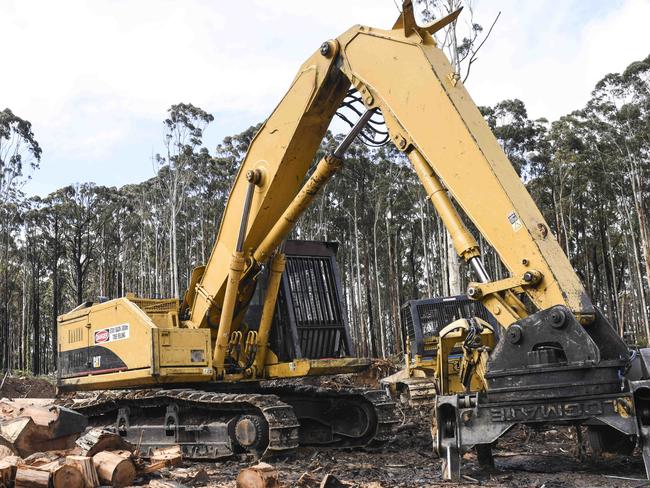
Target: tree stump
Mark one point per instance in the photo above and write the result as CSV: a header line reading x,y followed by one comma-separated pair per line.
x,y
86,468
114,469
261,475
28,477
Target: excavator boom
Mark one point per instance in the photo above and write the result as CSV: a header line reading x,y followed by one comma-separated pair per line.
x,y
430,117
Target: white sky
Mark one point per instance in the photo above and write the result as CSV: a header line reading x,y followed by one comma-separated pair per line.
x,y
96,77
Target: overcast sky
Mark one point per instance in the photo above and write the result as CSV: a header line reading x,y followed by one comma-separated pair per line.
x,y
96,77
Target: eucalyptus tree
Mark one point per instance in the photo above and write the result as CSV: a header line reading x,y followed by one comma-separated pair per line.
x,y
183,139
20,155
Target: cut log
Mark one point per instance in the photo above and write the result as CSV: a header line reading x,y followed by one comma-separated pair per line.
x,y
165,457
67,476
113,469
171,456
6,449
153,467
7,473
14,460
261,475
63,475
98,440
26,437
51,466
87,469
123,453
52,421
9,466
11,429
42,458
28,477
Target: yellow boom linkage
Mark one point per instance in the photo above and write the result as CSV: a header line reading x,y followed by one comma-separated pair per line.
x,y
430,117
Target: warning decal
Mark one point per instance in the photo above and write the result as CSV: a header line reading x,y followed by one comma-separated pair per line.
x,y
111,334
514,220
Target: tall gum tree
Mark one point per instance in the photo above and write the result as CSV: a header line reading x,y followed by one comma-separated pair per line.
x,y
20,155
183,138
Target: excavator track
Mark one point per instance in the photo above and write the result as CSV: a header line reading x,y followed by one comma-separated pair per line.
x,y
418,391
338,417
207,425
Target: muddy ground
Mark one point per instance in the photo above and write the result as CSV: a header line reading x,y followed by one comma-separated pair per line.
x,y
524,458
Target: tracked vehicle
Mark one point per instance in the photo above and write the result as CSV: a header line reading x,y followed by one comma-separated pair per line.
x,y
211,419
435,331
557,360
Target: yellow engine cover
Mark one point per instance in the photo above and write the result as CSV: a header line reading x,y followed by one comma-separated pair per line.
x,y
116,345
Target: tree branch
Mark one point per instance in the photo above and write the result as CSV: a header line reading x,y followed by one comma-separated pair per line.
x,y
473,58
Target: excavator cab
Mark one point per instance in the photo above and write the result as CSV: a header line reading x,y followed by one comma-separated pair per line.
x,y
310,320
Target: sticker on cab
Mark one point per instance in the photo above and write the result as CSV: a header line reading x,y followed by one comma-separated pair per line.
x,y
112,334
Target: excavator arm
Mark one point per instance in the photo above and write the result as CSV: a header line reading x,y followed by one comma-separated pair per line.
x,y
433,120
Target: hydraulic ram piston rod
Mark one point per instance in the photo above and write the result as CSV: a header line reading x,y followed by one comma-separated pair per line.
x,y
325,169
465,244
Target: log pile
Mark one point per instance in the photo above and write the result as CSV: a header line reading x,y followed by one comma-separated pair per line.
x,y
27,427
43,445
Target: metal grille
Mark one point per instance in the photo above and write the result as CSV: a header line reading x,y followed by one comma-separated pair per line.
x,y
310,320
407,319
152,305
425,318
315,303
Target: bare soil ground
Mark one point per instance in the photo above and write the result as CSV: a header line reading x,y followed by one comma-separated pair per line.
x,y
524,457
26,387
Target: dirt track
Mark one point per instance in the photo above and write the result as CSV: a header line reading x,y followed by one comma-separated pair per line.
x,y
26,387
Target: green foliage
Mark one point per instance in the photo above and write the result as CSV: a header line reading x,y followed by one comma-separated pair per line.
x,y
19,153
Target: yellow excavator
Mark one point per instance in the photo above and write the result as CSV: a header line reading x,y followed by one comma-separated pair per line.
x,y
557,361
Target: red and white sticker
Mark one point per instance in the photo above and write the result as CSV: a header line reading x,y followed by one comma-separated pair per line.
x,y
112,334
